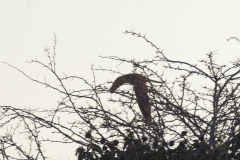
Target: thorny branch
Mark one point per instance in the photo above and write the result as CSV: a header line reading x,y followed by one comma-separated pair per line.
x,y
208,113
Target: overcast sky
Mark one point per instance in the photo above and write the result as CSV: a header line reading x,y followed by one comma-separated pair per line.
x,y
186,30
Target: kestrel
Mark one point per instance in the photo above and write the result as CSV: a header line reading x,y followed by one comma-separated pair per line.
x,y
139,83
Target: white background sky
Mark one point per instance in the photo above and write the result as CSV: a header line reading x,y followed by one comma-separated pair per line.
x,y
185,29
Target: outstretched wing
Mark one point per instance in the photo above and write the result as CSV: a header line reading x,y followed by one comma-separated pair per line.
x,y
140,88
139,83
117,83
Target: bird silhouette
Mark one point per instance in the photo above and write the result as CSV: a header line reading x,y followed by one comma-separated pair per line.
x,y
139,83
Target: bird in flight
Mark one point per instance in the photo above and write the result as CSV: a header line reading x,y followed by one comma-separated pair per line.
x,y
139,83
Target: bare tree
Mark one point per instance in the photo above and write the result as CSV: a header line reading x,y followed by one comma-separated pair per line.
x,y
187,122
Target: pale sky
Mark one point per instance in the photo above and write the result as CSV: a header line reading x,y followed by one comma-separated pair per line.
x,y
186,30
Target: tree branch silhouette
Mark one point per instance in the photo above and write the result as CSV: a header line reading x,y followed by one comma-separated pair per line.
x,y
189,123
